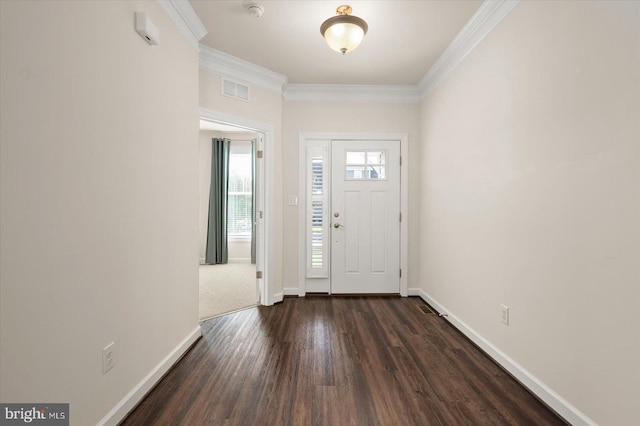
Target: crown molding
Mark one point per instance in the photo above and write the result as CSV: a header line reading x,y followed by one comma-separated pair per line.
x,y
238,69
186,19
351,93
486,18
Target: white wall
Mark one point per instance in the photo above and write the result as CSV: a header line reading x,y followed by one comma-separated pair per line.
x,y
237,250
303,117
531,198
98,200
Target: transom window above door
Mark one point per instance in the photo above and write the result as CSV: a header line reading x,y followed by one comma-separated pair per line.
x,y
366,165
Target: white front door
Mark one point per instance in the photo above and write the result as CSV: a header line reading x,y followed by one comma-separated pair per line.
x,y
365,217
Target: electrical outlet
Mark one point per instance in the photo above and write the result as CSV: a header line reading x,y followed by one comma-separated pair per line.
x,y
504,309
108,357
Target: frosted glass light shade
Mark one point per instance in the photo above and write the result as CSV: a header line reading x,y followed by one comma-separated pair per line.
x,y
344,33
344,37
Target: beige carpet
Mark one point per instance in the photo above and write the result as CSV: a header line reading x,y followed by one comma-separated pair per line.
x,y
226,288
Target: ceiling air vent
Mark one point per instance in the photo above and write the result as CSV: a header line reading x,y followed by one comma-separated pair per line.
x,y
235,90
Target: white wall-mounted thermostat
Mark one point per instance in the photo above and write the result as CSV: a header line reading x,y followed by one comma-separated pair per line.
x,y
149,32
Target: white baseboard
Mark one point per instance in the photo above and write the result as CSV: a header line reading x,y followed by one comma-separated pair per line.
x,y
414,292
292,291
278,297
239,260
136,394
537,387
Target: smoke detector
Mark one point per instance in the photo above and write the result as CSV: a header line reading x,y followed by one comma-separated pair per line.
x,y
255,10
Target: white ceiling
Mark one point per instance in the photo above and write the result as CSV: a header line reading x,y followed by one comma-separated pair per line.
x,y
405,37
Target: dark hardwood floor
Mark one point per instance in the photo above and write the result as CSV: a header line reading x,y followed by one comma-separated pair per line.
x,y
337,361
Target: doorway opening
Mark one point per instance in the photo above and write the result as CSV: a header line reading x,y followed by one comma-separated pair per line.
x,y
263,195
227,282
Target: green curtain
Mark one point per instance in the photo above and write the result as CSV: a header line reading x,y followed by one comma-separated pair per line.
x,y
254,155
217,230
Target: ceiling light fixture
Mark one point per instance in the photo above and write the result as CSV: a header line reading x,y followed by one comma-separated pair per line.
x,y
344,32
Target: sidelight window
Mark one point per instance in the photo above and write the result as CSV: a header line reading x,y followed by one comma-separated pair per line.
x,y
317,213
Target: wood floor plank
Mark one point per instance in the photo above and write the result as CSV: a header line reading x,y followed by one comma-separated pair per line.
x,y
337,361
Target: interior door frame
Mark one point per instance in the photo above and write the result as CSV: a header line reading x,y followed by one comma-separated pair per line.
x,y
264,262
304,140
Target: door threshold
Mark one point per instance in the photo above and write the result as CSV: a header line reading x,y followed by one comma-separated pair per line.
x,y
352,295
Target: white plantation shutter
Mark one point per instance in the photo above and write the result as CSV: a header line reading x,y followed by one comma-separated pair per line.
x,y
317,214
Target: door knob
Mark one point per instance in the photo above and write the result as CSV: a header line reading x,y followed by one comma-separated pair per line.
x,y
337,225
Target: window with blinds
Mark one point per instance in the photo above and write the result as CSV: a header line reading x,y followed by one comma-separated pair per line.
x,y
317,216
239,206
